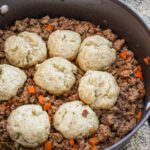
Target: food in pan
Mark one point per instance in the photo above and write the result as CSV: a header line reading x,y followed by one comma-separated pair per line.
x,y
25,49
74,120
28,125
64,43
96,53
98,89
11,80
53,84
56,75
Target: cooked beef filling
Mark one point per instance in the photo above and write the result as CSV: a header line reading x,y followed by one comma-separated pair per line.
x,y
115,123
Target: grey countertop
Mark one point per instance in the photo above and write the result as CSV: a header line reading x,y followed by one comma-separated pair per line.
x,y
141,140
142,7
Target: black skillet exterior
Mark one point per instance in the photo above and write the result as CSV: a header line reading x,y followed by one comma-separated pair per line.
x,y
106,13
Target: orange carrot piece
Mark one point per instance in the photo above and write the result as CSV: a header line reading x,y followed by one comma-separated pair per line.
x,y
48,145
123,55
93,141
139,68
139,115
31,89
9,102
74,148
50,27
139,74
142,91
4,107
47,106
94,148
71,142
41,100
147,60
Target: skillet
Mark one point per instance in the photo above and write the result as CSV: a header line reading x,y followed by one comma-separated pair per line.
x,y
112,14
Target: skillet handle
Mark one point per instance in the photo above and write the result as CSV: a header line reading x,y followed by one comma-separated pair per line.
x,y
4,9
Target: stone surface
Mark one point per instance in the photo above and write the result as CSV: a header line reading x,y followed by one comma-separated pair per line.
x,y
142,7
141,140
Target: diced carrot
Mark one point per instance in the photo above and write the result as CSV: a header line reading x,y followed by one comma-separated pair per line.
x,y
74,148
139,68
139,115
41,100
4,107
93,141
123,55
48,145
94,148
9,102
31,89
139,74
147,60
71,142
50,27
142,91
47,106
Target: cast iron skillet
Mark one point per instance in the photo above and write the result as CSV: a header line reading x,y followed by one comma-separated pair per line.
x,y
106,13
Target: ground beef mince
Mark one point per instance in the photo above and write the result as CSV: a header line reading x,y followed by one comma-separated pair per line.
x,y
115,123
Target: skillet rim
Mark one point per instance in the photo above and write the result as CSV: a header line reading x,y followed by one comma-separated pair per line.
x,y
125,139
